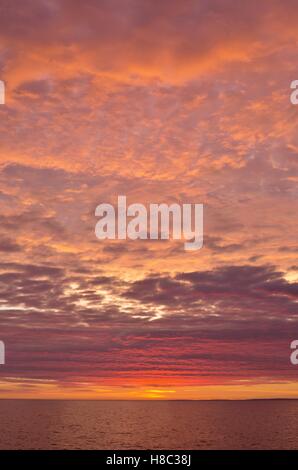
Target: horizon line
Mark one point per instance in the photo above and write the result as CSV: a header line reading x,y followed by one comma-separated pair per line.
x,y
152,400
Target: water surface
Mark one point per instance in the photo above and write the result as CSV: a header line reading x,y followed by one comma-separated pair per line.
x,y
43,424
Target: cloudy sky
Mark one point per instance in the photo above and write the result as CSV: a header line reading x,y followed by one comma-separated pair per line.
x,y
173,101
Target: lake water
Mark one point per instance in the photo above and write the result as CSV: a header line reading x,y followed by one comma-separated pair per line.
x,y
37,424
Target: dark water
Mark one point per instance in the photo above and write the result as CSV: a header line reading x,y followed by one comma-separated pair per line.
x,y
33,424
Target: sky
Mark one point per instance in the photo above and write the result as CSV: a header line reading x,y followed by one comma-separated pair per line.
x,y
164,102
